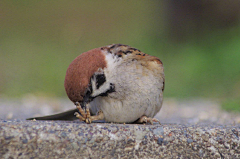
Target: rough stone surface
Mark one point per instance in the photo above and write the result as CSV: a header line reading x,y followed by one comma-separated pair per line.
x,y
190,129
49,139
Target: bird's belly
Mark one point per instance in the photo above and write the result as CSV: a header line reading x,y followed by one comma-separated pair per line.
x,y
123,111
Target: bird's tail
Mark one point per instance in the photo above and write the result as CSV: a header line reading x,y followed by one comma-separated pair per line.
x,y
67,115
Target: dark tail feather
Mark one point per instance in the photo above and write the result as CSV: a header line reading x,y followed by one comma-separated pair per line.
x,y
68,115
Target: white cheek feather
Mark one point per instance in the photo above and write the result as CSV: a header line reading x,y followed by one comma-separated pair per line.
x,y
102,89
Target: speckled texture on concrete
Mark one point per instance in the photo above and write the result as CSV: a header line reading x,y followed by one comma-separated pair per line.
x,y
55,139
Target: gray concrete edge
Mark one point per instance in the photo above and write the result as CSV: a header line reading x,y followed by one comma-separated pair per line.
x,y
62,139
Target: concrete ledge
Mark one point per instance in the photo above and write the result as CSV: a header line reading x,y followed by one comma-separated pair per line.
x,y
61,139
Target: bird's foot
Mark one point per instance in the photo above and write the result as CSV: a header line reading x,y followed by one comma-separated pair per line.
x,y
86,116
145,119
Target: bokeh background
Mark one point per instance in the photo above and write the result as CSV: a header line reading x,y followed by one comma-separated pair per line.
x,y
198,42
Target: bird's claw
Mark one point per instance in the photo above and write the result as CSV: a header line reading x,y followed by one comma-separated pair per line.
x,y
86,116
145,119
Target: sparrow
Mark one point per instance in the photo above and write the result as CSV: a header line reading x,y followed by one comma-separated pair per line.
x,y
115,83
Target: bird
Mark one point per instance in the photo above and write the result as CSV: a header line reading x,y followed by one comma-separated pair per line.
x,y
115,83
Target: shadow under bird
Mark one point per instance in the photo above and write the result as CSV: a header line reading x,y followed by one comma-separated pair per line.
x,y
115,83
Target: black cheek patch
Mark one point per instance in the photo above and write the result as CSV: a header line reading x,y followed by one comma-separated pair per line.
x,y
100,79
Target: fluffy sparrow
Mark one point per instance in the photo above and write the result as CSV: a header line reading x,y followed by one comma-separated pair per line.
x,y
116,83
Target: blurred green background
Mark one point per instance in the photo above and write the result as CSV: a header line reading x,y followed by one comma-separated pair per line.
x,y
198,42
